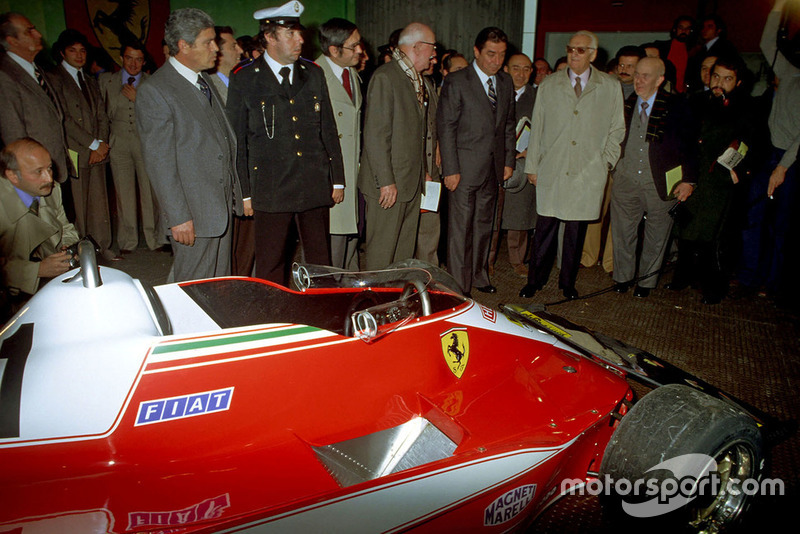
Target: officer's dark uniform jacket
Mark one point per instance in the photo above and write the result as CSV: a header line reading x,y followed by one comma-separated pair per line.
x,y
288,153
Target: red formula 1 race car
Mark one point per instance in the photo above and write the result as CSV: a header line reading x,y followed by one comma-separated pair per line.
x,y
361,402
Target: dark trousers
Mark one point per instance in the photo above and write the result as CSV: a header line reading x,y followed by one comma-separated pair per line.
x,y
274,252
544,247
767,231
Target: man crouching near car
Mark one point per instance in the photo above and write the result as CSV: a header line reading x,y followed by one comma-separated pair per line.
x,y
34,231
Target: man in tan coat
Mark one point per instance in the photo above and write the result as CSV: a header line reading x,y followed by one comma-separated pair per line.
x,y
577,128
33,226
127,163
342,49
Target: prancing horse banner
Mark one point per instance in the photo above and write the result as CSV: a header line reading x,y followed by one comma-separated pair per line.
x,y
108,23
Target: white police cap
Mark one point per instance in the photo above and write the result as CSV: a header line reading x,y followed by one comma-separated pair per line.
x,y
286,15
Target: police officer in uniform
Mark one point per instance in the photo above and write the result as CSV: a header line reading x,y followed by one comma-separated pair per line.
x,y
289,155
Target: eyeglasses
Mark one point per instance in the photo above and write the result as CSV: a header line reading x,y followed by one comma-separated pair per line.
x,y
580,50
359,44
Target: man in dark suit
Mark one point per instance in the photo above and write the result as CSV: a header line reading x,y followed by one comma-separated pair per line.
x,y
392,161
477,140
190,149
713,42
86,125
658,143
289,157
30,107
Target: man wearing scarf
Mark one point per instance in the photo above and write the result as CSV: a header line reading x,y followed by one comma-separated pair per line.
x,y
392,160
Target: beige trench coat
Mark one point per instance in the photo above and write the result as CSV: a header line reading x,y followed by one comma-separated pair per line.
x,y
574,142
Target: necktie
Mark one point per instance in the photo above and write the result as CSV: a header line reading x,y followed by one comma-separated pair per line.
x,y
131,80
578,88
643,114
44,85
84,89
285,72
346,83
492,95
204,88
34,208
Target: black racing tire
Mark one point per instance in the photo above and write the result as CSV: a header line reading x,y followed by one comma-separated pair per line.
x,y
669,422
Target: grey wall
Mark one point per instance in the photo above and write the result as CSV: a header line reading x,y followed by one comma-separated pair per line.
x,y
456,23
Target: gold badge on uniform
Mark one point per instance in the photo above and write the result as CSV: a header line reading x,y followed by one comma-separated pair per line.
x,y
316,107
455,348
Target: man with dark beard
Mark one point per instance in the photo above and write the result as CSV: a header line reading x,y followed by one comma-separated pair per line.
x,y
725,121
676,50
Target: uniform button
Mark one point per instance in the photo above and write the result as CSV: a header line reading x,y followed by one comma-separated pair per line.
x,y
291,100
574,143
255,168
297,136
294,118
340,136
340,113
299,154
575,112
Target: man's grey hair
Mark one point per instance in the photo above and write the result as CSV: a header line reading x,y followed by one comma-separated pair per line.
x,y
594,43
185,24
8,28
412,34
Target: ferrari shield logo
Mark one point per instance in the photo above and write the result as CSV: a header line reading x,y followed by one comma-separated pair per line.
x,y
455,348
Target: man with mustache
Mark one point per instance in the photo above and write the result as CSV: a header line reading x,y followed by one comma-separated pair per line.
x,y
33,227
289,157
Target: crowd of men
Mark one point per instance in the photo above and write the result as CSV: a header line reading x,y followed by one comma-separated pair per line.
x,y
234,151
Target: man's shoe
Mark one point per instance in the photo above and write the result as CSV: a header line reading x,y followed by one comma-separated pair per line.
x,y
641,292
676,285
570,293
622,287
487,289
528,291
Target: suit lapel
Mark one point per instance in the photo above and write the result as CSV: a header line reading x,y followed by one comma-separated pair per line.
x,y
191,98
479,94
32,85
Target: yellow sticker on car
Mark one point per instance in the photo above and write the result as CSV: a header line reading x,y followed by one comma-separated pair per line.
x,y
455,348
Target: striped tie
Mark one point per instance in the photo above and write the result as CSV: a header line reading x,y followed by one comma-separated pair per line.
x,y
45,86
492,95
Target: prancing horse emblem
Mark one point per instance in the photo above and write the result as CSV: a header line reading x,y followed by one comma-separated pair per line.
x,y
455,349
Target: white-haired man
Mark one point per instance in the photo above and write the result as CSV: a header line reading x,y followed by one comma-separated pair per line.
x,y
578,125
392,161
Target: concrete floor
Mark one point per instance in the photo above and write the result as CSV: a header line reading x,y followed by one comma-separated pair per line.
x,y
748,348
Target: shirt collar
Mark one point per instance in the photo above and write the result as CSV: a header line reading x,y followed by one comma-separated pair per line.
x,y
72,71
584,77
29,67
519,92
337,70
26,198
190,75
482,75
711,42
649,103
222,77
276,67
126,75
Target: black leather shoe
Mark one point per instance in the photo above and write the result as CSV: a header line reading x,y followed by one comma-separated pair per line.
x,y
676,286
622,287
487,289
570,293
528,291
641,292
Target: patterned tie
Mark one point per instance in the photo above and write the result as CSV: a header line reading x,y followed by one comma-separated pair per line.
x,y
131,80
84,89
44,85
346,83
578,88
643,114
492,95
204,88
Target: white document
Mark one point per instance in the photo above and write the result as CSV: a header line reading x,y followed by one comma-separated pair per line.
x,y
430,196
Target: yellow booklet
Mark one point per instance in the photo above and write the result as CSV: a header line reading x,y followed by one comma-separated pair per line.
x,y
673,177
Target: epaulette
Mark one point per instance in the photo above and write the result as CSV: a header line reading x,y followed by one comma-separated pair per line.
x,y
309,61
242,65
